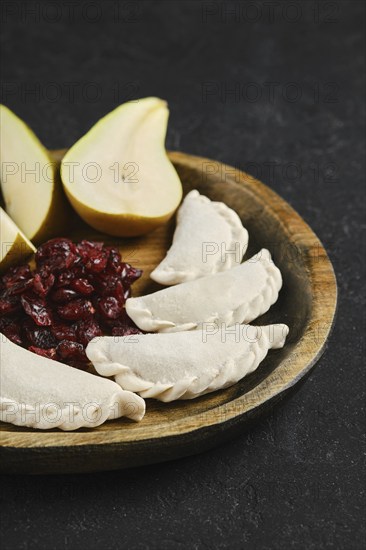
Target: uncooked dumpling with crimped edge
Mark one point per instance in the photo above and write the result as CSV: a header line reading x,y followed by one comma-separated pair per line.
x,y
40,393
238,295
209,238
184,365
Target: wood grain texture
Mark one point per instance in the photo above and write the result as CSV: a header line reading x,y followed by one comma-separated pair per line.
x,y
307,303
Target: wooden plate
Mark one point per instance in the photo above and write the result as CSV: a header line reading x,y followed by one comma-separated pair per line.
x,y
307,304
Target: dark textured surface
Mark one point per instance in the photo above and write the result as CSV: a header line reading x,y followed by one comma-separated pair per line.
x,y
297,479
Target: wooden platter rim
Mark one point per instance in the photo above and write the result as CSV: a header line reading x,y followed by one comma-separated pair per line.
x,y
293,367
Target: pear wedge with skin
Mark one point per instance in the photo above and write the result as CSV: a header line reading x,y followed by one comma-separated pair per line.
x,y
30,181
15,248
118,176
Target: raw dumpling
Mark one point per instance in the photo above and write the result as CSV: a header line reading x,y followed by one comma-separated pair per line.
x,y
238,295
209,238
40,393
184,365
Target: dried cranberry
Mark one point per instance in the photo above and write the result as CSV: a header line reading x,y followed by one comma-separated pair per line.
x,y
40,337
9,304
11,329
42,283
13,337
63,295
130,274
16,274
17,279
85,247
64,332
5,321
110,308
113,287
106,284
36,308
82,286
56,254
114,261
64,278
20,287
76,309
87,330
49,353
72,350
93,256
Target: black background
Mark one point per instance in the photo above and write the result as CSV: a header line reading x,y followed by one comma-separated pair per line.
x,y
296,480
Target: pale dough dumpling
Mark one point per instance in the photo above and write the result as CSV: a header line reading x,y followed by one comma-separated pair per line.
x,y
184,365
238,295
209,238
40,393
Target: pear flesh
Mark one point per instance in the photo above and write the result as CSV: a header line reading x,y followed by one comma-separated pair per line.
x,y
29,180
15,247
118,176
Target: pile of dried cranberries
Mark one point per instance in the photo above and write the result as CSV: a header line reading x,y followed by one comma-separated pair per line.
x,y
76,292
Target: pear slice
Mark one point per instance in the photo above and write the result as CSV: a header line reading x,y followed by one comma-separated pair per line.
x,y
15,247
118,176
30,181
